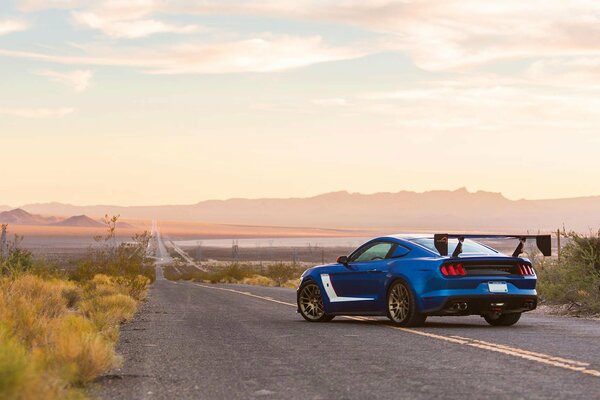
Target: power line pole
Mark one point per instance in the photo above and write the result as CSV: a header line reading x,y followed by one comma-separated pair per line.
x,y
558,243
235,251
3,243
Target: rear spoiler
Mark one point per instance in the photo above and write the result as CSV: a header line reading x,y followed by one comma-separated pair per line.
x,y
440,240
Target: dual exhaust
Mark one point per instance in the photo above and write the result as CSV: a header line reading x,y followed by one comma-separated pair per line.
x,y
497,307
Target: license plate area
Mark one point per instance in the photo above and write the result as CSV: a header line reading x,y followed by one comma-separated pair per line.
x,y
497,287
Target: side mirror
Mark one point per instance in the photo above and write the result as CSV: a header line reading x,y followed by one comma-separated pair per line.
x,y
342,260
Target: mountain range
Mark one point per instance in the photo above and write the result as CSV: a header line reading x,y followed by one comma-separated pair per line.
x,y
19,216
440,210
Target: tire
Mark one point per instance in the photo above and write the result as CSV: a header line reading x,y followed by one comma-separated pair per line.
x,y
503,319
402,306
310,303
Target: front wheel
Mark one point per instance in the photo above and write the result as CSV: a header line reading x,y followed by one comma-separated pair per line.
x,y
402,306
502,319
310,303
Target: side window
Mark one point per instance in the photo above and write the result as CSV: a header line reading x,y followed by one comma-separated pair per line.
x,y
377,251
400,251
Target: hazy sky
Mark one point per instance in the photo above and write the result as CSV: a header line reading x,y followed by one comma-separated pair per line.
x,y
177,101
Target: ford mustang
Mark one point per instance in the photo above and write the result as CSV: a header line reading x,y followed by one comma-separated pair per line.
x,y
410,277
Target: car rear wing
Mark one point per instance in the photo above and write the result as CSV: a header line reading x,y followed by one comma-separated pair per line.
x,y
440,240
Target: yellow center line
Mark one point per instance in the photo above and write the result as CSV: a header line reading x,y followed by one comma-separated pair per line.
x,y
541,358
531,353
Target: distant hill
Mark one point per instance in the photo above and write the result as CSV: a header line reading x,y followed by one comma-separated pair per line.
x,y
401,211
19,216
79,221
125,225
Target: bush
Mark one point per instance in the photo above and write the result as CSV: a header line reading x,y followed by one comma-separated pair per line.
x,y
280,274
15,365
258,280
79,350
56,336
575,280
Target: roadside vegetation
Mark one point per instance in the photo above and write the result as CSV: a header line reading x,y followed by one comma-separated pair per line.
x,y
276,274
572,282
58,328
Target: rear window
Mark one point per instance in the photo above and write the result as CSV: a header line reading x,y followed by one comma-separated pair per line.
x,y
469,246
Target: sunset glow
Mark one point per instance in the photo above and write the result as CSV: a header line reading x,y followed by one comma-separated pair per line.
x,y
167,102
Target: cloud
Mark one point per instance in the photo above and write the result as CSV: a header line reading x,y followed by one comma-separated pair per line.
x,y
12,25
36,112
78,80
331,102
266,53
438,35
449,35
484,107
130,29
582,72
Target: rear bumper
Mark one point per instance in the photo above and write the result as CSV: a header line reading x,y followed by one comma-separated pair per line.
x,y
486,304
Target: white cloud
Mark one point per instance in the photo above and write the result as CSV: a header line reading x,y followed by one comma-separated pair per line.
x,y
130,29
12,25
78,80
581,72
261,54
501,108
456,35
36,112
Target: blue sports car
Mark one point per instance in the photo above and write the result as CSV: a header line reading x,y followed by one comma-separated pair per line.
x,y
410,277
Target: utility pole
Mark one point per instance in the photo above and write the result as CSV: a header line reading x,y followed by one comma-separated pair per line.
x,y
199,250
3,244
235,251
558,243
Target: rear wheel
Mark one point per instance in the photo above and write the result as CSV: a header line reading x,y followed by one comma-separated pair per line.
x,y
310,303
402,307
502,319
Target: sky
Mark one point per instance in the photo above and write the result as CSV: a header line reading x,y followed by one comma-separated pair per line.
x,y
173,102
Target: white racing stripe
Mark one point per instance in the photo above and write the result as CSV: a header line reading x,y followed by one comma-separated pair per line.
x,y
546,359
333,297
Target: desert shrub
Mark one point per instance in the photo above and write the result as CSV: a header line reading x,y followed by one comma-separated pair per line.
x,y
56,336
28,304
258,280
575,280
79,351
17,261
72,294
282,273
15,365
291,283
127,261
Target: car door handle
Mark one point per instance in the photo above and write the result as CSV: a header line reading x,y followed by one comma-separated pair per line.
x,y
374,270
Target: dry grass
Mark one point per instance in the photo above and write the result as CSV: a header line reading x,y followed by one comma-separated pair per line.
x,y
56,336
258,280
277,274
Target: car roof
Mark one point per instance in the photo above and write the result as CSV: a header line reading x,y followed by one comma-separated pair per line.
x,y
410,236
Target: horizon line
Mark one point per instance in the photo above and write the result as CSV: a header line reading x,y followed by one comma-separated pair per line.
x,y
460,189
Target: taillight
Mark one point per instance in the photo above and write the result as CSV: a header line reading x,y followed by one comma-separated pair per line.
x,y
453,270
525,270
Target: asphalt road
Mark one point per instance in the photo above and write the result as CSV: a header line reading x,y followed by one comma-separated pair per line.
x,y
237,342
